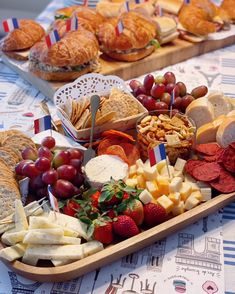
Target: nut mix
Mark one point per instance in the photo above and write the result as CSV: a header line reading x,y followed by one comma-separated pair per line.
x,y
177,132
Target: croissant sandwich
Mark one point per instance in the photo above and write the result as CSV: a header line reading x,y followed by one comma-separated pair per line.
x,y
74,55
229,7
135,42
18,41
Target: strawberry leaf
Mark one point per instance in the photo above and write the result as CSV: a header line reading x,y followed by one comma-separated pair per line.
x,y
90,230
121,207
105,196
85,220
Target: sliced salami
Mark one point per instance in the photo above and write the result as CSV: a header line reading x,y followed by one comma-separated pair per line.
x,y
191,164
225,183
232,145
228,159
207,172
215,158
208,148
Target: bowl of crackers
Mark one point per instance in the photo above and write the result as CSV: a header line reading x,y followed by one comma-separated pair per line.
x,y
119,109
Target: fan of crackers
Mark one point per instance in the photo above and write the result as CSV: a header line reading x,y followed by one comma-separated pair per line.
x,y
113,107
12,143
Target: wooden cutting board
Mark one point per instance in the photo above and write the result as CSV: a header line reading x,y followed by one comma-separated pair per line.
x,y
169,54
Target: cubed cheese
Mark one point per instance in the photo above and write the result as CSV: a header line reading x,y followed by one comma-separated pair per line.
x,y
194,187
166,203
202,184
206,194
140,171
150,173
140,181
188,178
178,209
163,184
185,190
191,202
178,173
152,187
139,163
132,170
145,197
175,197
197,194
160,165
175,184
180,163
132,182
167,171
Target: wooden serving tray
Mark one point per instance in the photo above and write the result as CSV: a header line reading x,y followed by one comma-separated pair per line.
x,y
111,253
168,54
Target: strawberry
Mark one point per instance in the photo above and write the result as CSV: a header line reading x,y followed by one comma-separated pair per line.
x,y
112,193
95,199
125,227
154,214
135,210
103,231
71,208
125,196
112,213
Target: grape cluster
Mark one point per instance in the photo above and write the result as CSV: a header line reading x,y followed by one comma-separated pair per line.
x,y
155,93
59,168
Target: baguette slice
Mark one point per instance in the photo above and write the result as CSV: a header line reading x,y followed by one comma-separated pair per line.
x,y
200,111
226,132
220,103
206,133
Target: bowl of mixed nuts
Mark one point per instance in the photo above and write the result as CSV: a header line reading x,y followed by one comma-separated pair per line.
x,y
176,131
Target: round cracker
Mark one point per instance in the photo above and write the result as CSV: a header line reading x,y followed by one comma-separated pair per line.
x,y
8,158
119,106
106,118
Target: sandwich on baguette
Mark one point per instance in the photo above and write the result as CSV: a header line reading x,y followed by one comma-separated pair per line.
x,y
171,7
166,29
17,43
72,56
135,42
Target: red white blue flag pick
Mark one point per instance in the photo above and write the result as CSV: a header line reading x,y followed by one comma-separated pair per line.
x,y
85,3
186,1
119,28
42,124
158,10
157,154
53,201
126,6
10,24
140,1
52,38
72,24
172,97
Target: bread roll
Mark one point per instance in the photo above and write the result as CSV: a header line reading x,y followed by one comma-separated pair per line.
x,y
231,113
220,103
226,132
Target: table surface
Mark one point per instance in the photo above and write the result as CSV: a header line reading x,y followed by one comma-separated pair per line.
x,y
20,106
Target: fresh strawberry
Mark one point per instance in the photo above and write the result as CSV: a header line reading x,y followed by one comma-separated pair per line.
x,y
125,196
154,214
71,207
112,193
112,213
135,210
125,227
95,199
103,231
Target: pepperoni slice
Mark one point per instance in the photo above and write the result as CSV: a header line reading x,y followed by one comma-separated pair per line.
x,y
208,148
207,172
132,152
117,134
191,164
232,145
229,159
215,158
117,150
225,183
105,143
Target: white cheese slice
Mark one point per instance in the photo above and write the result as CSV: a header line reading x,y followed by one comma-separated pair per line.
x,y
92,247
37,237
101,169
30,260
61,262
21,222
9,238
14,252
41,222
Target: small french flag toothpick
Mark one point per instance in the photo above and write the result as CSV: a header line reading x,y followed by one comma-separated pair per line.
x,y
53,201
10,24
72,24
119,28
140,1
186,1
158,10
157,154
85,3
126,6
52,38
42,124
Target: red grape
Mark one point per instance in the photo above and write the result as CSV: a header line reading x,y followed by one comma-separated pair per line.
x,y
199,91
41,193
36,183
29,153
149,103
177,103
30,170
75,153
170,77
169,88
182,89
139,90
141,98
48,142
166,97
158,90
134,84
20,165
161,107
160,80
76,163
61,158
64,189
78,180
186,100
77,191
66,172
43,164
148,82
50,177
45,152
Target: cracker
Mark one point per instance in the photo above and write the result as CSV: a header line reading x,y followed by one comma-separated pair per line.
x,y
73,113
19,142
82,119
8,158
109,116
87,123
14,153
119,106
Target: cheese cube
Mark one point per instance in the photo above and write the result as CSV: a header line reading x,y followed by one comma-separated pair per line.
x,y
175,197
139,163
202,184
152,187
165,169
178,209
178,173
188,178
147,163
206,194
140,181
150,173
185,190
197,194
132,182
132,170
180,163
163,184
140,171
175,184
166,203
160,165
145,197
191,202
194,187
